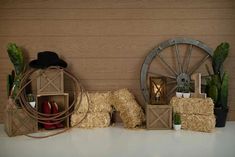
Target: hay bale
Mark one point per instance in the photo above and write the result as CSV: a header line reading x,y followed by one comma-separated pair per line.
x,y
130,111
198,122
122,96
99,102
193,105
92,120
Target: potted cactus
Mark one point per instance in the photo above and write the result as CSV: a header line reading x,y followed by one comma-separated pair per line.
x,y
217,84
31,100
179,92
186,90
177,121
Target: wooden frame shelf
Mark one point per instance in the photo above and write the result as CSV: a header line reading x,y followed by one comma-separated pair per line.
x,y
62,100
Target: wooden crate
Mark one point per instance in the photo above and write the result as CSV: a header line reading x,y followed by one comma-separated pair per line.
x,y
17,122
50,81
61,99
158,117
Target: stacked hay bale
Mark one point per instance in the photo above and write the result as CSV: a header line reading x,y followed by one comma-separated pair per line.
x,y
98,109
196,113
130,111
99,106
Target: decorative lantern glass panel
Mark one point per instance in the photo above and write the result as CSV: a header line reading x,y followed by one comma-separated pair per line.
x,y
158,90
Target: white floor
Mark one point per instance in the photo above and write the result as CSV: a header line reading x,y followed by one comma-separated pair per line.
x,y
120,142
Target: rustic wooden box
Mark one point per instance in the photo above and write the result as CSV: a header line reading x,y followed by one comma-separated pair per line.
x,y
61,99
50,81
17,122
158,117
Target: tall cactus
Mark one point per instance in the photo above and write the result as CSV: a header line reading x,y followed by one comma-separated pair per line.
x,y
213,93
16,56
217,84
219,56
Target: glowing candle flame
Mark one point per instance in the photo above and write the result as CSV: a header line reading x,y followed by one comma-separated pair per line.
x,y
157,90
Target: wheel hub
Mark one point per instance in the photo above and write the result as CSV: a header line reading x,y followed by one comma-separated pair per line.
x,y
182,79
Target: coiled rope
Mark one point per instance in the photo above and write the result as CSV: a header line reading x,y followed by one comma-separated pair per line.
x,y
54,118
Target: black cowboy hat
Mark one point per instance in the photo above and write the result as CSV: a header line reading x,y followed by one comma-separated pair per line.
x,y
46,59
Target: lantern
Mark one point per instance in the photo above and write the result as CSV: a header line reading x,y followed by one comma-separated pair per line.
x,y
158,90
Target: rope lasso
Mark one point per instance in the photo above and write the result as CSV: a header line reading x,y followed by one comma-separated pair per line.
x,y
54,118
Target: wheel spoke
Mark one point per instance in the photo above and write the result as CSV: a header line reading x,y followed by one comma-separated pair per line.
x,y
172,90
187,60
167,65
198,64
171,82
178,58
157,74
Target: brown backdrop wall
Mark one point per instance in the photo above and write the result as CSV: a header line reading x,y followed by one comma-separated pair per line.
x,y
105,42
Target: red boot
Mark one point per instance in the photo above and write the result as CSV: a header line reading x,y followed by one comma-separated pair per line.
x,y
55,109
47,110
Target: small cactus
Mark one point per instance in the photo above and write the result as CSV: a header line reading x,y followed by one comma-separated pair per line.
x,y
177,118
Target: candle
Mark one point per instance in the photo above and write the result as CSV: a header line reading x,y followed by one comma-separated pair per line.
x,y
157,91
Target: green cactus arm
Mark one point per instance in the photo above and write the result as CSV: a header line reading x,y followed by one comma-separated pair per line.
x,y
16,56
177,118
215,80
219,56
224,91
213,93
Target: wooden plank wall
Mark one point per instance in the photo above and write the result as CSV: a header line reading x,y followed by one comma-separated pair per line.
x,y
105,42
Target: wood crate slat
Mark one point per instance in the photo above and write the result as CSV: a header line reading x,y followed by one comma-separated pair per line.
x,y
50,81
17,122
158,117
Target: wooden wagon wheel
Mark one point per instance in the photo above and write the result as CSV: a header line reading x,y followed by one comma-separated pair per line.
x,y
176,64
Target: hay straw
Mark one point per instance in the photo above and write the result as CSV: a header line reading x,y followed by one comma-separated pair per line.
x,y
99,102
193,105
92,120
130,111
198,122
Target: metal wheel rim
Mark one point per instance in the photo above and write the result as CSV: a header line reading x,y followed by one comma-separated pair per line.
x,y
156,52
